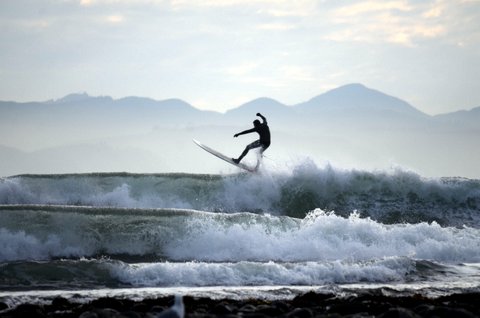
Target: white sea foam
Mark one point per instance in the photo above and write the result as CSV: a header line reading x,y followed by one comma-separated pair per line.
x,y
219,237
22,246
258,274
325,237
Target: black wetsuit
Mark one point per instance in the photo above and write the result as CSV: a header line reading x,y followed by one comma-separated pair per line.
x,y
264,133
264,141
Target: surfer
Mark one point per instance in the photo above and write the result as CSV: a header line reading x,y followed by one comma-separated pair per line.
x,y
264,141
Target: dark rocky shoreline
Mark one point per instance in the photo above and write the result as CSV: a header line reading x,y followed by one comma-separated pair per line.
x,y
304,306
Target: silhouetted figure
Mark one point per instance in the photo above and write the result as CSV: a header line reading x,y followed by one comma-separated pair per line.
x,y
264,141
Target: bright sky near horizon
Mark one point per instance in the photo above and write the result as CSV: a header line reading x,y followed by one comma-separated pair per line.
x,y
218,54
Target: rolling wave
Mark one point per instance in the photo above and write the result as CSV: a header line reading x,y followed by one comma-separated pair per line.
x,y
113,273
185,235
395,197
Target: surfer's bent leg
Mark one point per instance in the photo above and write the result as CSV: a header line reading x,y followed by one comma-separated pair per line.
x,y
264,147
253,145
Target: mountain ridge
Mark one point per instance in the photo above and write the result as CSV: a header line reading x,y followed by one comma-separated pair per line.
x,y
353,98
357,97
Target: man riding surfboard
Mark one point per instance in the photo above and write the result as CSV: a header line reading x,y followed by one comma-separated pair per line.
x,y
264,141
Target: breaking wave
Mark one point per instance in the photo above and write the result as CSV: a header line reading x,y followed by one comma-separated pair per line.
x,y
394,197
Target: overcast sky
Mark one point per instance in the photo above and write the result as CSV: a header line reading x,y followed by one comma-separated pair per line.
x,y
217,54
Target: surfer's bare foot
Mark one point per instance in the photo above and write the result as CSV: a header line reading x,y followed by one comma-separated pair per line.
x,y
236,160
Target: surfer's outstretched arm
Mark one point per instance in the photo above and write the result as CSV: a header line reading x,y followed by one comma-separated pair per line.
x,y
245,132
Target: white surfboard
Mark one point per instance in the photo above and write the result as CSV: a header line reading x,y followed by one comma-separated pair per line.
x,y
223,157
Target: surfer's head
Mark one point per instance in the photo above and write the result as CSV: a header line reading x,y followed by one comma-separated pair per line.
x,y
256,123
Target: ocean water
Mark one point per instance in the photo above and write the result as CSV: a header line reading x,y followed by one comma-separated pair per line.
x,y
273,235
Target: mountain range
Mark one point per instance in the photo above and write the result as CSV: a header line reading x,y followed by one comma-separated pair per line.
x,y
346,125
352,100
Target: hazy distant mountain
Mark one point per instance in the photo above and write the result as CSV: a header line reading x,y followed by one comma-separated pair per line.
x,y
149,108
352,104
107,113
466,118
83,118
358,99
353,100
80,98
80,117
263,104
274,111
